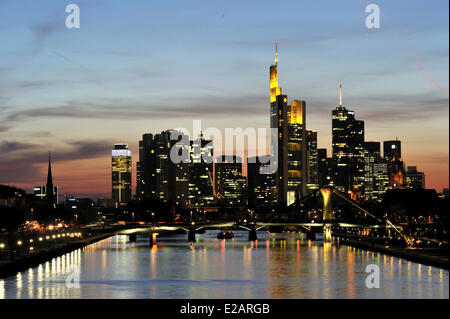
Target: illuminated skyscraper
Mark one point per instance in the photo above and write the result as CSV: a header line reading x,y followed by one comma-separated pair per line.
x,y
312,160
348,147
278,120
290,121
121,174
296,151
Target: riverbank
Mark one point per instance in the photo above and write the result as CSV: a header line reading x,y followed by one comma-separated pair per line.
x,y
431,257
23,263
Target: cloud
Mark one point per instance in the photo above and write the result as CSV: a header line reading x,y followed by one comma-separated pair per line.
x,y
387,108
41,33
21,167
4,128
420,67
6,146
121,109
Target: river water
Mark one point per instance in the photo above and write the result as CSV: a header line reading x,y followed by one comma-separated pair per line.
x,y
276,266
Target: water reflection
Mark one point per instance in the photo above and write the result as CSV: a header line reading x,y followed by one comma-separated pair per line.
x,y
275,266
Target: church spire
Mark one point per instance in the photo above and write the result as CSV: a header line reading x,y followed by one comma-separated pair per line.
x,y
49,174
49,187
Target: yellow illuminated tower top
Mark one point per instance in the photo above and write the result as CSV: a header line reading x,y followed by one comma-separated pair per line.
x,y
274,89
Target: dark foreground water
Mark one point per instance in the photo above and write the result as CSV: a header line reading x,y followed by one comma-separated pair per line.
x,y
276,266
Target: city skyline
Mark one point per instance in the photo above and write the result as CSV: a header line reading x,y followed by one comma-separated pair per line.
x,y
30,127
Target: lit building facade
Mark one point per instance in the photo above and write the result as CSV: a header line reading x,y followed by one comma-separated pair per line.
x,y
146,169
230,185
397,174
380,178
296,151
158,177
312,161
121,174
41,191
414,178
326,168
371,155
201,191
262,188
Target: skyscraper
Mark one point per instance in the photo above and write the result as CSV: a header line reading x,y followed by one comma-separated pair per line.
x,y
296,151
158,177
290,121
230,183
201,172
278,120
121,174
146,168
312,160
347,147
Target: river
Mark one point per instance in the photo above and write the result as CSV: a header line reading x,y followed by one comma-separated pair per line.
x,y
275,266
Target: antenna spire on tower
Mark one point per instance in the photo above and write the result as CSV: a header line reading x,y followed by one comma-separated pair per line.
x,y
276,52
340,94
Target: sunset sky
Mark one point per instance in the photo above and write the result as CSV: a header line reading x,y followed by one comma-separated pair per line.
x,y
144,66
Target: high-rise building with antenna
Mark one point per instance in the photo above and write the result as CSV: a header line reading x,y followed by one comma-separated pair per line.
x,y
347,147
